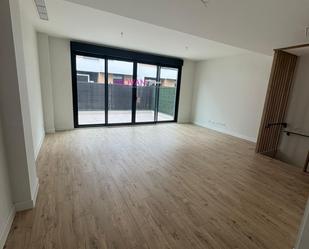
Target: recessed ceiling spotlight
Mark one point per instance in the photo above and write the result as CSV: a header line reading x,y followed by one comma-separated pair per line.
x,y
205,2
41,8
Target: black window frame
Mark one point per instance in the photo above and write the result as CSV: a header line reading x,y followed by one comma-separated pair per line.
x,y
111,53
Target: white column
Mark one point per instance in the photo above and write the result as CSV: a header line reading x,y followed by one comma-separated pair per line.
x,y
14,108
46,82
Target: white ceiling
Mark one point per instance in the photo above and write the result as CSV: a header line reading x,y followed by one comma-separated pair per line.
x,y
83,23
257,25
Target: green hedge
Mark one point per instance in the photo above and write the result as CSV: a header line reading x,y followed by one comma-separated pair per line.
x,y
167,98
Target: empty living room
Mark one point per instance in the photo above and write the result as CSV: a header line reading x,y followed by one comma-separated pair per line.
x,y
168,124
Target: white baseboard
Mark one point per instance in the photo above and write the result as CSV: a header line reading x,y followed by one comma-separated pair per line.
x,y
25,205
39,146
6,229
234,134
29,204
36,191
50,131
183,122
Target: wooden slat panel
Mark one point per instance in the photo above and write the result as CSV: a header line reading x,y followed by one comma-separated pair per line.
x,y
280,83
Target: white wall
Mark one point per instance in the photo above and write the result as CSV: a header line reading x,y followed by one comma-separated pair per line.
x,y
33,81
57,100
22,177
229,94
60,61
16,129
18,179
294,149
6,204
186,91
46,82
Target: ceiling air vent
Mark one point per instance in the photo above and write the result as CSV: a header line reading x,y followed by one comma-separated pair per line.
x,y
41,7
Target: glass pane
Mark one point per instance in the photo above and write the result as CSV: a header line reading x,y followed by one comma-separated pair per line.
x,y
120,83
146,91
167,94
90,76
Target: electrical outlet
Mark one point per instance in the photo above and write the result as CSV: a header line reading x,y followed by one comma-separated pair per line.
x,y
215,123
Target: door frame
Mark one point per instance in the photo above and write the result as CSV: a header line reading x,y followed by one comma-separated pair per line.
x,y
109,53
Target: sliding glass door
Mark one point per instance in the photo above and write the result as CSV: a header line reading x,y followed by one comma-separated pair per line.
x,y
167,94
146,85
90,83
113,86
120,91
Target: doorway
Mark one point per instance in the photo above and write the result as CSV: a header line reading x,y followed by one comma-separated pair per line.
x,y
119,87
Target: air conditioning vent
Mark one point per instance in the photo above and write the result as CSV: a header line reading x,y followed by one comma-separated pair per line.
x,y
41,7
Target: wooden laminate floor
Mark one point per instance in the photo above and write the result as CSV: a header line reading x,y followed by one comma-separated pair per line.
x,y
163,186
